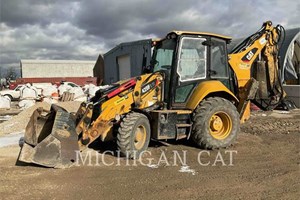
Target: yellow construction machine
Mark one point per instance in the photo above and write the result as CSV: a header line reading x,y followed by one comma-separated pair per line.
x,y
193,89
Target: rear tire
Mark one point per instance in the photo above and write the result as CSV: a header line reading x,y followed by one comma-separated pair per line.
x,y
215,123
133,135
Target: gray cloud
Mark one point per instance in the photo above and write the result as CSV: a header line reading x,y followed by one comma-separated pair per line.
x,y
235,17
74,29
18,12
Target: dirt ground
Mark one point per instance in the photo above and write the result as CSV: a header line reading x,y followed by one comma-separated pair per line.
x,y
265,166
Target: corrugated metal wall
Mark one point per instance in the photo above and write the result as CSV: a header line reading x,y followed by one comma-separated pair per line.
x,y
139,53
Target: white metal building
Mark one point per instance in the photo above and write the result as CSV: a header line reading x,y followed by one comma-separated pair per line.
x,y
56,68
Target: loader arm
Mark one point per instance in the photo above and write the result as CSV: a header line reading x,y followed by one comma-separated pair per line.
x,y
139,93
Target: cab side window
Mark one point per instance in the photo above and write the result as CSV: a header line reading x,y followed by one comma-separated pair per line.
x,y
218,68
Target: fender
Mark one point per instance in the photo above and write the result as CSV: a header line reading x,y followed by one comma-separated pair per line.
x,y
206,88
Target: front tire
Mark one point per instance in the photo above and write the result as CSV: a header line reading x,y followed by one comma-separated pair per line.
x,y
133,135
215,123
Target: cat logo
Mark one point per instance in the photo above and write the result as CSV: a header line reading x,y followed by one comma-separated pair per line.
x,y
249,55
247,58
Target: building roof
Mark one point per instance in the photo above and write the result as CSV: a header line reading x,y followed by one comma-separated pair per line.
x,y
132,43
27,61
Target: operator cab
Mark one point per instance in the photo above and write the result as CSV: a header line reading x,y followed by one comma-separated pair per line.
x,y
187,59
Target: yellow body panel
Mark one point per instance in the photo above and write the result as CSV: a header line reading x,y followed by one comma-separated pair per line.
x,y
206,88
149,98
243,69
246,114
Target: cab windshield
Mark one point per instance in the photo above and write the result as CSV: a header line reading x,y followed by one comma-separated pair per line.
x,y
163,55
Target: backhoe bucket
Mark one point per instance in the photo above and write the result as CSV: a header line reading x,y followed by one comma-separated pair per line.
x,y
50,140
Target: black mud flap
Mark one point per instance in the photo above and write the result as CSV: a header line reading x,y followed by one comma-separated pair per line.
x,y
50,140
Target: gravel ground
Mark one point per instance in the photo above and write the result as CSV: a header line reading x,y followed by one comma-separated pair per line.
x,y
281,122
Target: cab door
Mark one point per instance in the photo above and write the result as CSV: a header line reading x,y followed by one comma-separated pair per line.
x,y
191,69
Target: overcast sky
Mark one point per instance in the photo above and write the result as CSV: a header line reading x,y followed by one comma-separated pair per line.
x,y
80,30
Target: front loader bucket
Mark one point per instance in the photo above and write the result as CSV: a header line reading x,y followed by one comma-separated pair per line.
x,y
50,140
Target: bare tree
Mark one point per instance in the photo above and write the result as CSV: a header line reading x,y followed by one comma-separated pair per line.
x,y
11,74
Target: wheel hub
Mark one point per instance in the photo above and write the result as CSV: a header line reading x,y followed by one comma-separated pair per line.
x,y
140,137
220,125
217,123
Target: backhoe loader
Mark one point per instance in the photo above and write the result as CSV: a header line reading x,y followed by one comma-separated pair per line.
x,y
193,89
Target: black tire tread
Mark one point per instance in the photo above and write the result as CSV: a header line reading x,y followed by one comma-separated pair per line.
x,y
125,130
199,132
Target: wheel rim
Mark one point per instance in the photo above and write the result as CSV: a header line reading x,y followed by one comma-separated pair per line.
x,y
140,137
220,125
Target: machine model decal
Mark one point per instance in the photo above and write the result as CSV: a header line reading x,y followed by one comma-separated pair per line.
x,y
148,86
